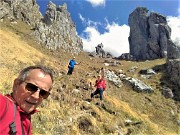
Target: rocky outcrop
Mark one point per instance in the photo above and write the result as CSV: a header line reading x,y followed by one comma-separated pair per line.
x,y
173,70
118,80
25,10
100,52
149,34
150,38
173,67
112,77
126,56
138,85
57,30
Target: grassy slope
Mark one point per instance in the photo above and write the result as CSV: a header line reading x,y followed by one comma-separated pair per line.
x,y
67,112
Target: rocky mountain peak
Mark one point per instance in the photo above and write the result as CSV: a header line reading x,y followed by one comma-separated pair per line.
x,y
57,30
150,38
150,34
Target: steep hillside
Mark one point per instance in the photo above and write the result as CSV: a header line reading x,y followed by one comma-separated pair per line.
x,y
69,110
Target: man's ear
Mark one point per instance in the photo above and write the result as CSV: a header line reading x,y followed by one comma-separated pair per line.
x,y
15,84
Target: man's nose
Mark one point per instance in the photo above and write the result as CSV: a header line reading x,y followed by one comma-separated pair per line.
x,y
36,94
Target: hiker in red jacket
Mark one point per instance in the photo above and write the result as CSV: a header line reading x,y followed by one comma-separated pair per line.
x,y
29,89
100,85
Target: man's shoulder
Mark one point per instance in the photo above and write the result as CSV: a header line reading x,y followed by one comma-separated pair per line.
x,y
5,104
2,99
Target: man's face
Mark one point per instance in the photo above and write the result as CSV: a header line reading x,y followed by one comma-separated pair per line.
x,y
28,100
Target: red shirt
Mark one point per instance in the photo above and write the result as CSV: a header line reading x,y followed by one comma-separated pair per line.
x,y
101,83
7,116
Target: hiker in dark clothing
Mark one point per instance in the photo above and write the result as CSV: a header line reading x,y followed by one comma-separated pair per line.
x,y
71,65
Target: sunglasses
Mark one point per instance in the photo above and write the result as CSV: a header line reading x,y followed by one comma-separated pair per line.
x,y
33,88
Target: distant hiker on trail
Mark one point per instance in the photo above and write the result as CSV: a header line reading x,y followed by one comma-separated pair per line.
x,y
30,88
100,85
71,65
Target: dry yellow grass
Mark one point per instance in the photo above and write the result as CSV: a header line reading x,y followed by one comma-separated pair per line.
x,y
15,54
138,116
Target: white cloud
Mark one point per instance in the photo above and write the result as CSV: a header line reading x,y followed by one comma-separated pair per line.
x,y
88,22
96,3
115,40
174,23
81,18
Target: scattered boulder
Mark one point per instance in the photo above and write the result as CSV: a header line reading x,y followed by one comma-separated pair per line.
x,y
126,56
106,64
85,123
132,69
112,77
147,71
138,86
167,92
92,54
111,62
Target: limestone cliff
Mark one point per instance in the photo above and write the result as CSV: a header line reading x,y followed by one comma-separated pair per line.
x,y
150,35
55,30
150,38
25,10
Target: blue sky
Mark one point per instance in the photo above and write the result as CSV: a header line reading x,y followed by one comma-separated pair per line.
x,y
106,21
